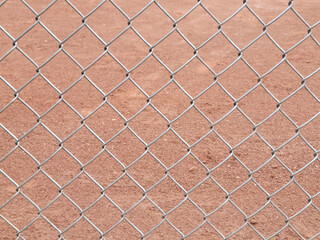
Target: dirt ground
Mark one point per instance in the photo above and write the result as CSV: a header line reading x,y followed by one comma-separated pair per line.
x,y
79,159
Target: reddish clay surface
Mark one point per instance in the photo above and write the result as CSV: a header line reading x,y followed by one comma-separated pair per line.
x,y
49,177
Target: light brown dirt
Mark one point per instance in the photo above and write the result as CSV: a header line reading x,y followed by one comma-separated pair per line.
x,y
70,174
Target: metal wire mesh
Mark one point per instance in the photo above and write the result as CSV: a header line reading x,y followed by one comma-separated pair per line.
x,y
218,221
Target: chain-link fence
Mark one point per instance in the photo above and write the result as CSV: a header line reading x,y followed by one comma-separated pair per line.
x,y
159,119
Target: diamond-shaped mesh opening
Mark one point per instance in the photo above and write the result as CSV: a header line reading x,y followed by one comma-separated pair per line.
x,y
151,75
236,123
188,77
62,120
38,44
258,105
62,168
249,198
19,211
191,126
253,152
256,57
103,214
149,124
81,228
23,17
211,151
168,143
40,229
215,103
186,217
83,145
167,194
282,81
238,85
107,21
106,73
296,154
127,99
40,143
188,173
233,179
208,196
268,221
125,193
305,57
179,56
195,26
290,200
18,172
147,171
129,49
105,122
61,71
304,101
83,101
62,213
153,17
8,189
288,30
81,44
18,118
126,147
40,189
39,95
148,210
227,219
272,177
224,53
17,69
277,130
83,188
165,231
171,101
104,169
243,28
